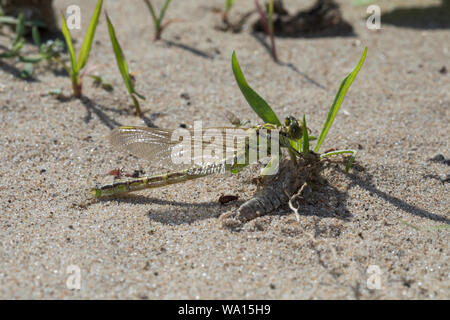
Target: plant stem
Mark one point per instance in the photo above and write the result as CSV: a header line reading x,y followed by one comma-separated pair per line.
x,y
76,86
271,31
136,105
267,21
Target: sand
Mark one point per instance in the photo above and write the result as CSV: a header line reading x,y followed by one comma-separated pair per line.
x,y
390,212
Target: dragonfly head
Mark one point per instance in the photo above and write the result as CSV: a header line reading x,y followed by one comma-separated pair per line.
x,y
294,128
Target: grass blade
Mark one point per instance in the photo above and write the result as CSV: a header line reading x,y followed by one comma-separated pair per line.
x,y
163,11
123,67
267,21
35,58
228,5
36,36
136,105
120,58
27,71
66,34
296,144
17,46
345,85
258,104
305,137
153,14
89,37
20,29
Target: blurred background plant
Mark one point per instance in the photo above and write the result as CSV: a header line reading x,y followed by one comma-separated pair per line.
x,y
158,20
36,12
266,19
50,50
228,6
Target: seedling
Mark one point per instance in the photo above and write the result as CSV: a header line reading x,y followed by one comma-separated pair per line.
x,y
123,67
228,6
158,20
301,145
293,178
266,17
50,50
18,42
76,70
15,21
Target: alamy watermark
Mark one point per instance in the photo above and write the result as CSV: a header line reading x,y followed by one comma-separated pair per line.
x,y
73,17
373,22
374,279
73,281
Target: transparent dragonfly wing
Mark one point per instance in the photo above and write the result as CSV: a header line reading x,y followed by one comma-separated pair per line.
x,y
159,146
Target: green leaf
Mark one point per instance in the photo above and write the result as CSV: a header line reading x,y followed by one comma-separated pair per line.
x,y
36,36
296,144
89,37
7,19
120,58
6,55
66,34
153,14
35,58
228,5
259,105
20,29
17,46
136,104
140,96
27,71
305,137
345,85
163,11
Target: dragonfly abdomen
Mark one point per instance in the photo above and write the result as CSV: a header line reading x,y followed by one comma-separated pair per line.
x,y
157,181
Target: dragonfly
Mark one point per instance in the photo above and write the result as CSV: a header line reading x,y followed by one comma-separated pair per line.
x,y
158,145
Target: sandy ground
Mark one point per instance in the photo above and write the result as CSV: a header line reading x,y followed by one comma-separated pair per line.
x,y
390,211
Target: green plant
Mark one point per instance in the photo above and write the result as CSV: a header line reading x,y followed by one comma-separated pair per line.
x,y
123,67
266,17
265,112
18,42
50,50
228,6
76,66
11,20
158,20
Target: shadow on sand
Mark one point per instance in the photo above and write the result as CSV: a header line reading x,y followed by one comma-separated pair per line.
x,y
325,201
428,18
